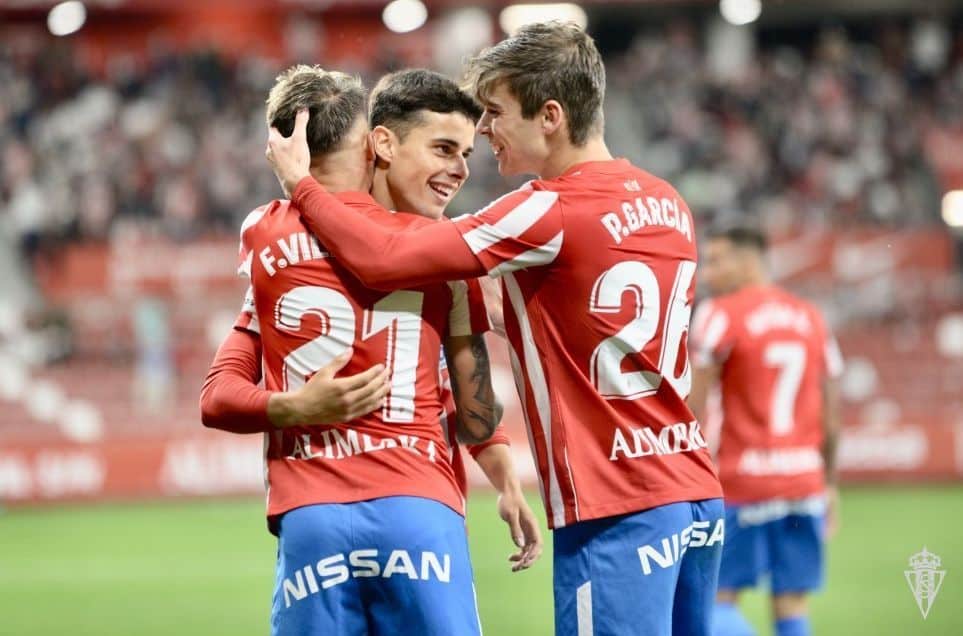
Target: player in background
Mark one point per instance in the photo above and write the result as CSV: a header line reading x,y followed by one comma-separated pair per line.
x,y
775,365
597,262
369,517
420,146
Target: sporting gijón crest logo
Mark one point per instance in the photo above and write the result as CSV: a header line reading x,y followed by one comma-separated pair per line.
x,y
925,579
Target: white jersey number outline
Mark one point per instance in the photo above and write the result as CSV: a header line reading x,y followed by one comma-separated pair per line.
x,y
399,313
605,366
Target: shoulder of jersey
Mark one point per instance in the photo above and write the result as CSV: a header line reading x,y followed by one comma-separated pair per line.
x,y
255,216
725,301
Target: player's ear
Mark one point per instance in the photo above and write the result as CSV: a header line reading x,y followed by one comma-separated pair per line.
x,y
383,145
369,153
552,117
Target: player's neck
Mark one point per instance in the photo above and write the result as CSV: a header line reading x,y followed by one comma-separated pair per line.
x,y
339,172
381,191
755,279
565,155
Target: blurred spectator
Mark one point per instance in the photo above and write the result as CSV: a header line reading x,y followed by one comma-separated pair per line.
x,y
846,132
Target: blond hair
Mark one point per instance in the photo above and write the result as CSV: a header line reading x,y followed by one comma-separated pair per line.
x,y
334,100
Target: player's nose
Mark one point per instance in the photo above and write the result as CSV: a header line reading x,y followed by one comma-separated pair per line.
x,y
483,127
459,168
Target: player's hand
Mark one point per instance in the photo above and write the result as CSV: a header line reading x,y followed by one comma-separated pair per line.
x,y
325,399
832,512
289,156
514,510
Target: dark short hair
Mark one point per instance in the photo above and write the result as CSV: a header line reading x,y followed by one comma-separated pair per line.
x,y
741,236
334,100
543,61
399,98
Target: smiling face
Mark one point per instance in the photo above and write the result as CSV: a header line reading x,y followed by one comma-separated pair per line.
x,y
519,144
428,165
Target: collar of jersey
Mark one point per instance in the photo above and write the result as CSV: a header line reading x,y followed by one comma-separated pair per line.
x,y
616,165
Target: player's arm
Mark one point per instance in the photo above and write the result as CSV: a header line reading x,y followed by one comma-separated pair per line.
x,y
477,410
832,423
495,459
709,340
232,401
831,427
230,398
704,376
379,258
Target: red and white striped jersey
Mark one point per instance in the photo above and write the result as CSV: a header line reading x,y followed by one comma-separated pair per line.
x,y
307,309
773,351
597,269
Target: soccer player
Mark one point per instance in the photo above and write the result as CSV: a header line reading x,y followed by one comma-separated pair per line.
x,y
597,261
370,525
422,131
775,365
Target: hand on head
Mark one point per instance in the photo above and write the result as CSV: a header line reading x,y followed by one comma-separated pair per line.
x,y
289,156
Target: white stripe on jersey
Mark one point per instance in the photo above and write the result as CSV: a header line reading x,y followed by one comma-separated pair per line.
x,y
244,269
248,308
709,339
571,481
514,224
459,318
519,378
543,406
542,255
834,358
583,609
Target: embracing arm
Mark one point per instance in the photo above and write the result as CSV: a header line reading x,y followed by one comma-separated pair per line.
x,y
379,258
230,398
232,401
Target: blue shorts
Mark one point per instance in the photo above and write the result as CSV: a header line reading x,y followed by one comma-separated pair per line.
x,y
652,572
397,565
781,538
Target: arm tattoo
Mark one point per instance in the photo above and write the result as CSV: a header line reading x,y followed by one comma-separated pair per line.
x,y
477,416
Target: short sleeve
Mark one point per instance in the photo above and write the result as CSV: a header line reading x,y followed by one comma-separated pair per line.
x,y
710,335
244,253
468,314
247,319
521,229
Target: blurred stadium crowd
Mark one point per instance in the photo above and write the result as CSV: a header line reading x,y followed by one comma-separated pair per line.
x,y
834,131
124,180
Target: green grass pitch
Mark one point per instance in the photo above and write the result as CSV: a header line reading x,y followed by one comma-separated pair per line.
x,y
206,568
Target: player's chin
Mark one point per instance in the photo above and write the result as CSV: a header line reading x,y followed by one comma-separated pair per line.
x,y
507,169
434,207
